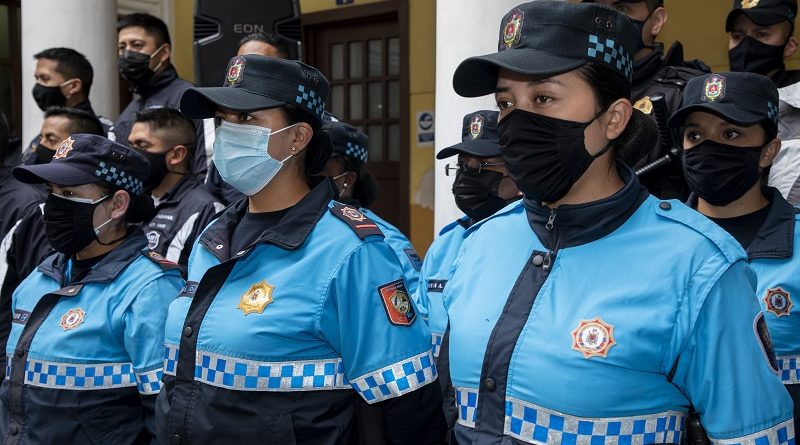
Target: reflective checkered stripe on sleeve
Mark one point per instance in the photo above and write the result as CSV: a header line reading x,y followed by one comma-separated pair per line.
x,y
436,343
397,379
73,376
789,366
534,424
780,434
250,375
149,382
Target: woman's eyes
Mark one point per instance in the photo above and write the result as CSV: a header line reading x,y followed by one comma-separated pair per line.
x,y
245,117
542,99
693,136
731,134
504,104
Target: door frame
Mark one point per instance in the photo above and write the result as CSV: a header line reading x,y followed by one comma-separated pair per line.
x,y
311,22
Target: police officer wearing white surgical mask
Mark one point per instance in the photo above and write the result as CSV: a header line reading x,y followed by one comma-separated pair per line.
x,y
294,304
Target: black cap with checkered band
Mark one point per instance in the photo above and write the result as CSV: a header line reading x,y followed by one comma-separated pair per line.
x,y
741,98
347,140
88,159
254,82
545,38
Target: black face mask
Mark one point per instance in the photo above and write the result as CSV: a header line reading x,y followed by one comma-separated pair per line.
x,y
721,173
640,28
544,156
135,66
47,97
476,193
43,155
158,168
68,224
753,56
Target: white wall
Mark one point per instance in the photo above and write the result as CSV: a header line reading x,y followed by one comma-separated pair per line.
x,y
464,28
89,27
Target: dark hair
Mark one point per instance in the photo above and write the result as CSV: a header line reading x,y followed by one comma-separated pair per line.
x,y
79,121
318,149
152,25
366,188
608,86
178,130
5,137
269,39
70,64
141,209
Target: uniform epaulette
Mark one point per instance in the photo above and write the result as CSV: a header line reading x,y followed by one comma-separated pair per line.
x,y
356,220
678,212
161,261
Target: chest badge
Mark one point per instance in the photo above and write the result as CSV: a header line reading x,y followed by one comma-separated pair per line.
x,y
778,301
256,298
645,105
593,338
397,303
72,319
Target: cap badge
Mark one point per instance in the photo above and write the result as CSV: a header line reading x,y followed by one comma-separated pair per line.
x,y
235,71
72,319
593,338
778,301
747,4
714,88
513,27
644,105
353,214
476,127
256,298
63,150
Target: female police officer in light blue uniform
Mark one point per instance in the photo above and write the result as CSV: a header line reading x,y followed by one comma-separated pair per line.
x,y
591,312
85,349
295,305
358,188
729,123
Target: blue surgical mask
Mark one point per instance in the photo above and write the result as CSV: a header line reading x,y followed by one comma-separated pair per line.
x,y
241,156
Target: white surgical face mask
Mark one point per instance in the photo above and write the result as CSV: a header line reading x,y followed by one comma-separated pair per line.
x,y
241,156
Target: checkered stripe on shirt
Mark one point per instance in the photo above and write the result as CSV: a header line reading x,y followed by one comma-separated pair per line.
x,y
436,343
780,434
397,379
789,366
466,404
57,375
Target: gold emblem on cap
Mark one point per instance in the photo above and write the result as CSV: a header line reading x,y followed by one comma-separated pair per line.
x,y
644,105
235,71
513,27
476,126
256,298
714,88
63,150
747,4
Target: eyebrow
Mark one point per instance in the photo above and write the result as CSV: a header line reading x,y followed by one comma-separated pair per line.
x,y
533,83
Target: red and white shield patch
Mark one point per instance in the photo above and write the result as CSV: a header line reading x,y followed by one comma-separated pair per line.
x,y
72,319
397,303
778,302
593,338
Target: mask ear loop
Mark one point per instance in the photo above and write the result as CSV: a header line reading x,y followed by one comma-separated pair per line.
x,y
605,149
97,229
154,54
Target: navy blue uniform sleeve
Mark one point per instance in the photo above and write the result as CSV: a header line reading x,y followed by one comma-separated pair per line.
x,y
727,367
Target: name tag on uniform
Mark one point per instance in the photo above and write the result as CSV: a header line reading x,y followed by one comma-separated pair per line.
x,y
189,289
21,316
436,285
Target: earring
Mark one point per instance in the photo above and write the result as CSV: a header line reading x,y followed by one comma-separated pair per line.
x,y
293,149
344,186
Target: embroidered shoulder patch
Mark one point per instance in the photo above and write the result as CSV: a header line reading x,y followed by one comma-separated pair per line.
x,y
765,341
416,261
161,261
397,303
356,220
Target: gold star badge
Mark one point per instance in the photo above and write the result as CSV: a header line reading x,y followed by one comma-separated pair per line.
x,y
593,338
256,298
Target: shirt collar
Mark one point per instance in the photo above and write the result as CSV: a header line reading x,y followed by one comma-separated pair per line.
x,y
775,239
290,233
186,184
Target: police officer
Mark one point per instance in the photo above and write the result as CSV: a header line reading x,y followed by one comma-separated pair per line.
x,y
320,310
657,74
358,188
57,125
730,127
183,207
592,309
145,50
85,356
268,45
760,40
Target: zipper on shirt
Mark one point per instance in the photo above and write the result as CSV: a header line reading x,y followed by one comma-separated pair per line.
x,y
550,226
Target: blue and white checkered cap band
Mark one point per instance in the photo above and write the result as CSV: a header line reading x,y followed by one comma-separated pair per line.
x,y
250,375
119,178
611,53
772,112
74,376
534,424
436,343
397,379
780,434
311,100
789,366
356,151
